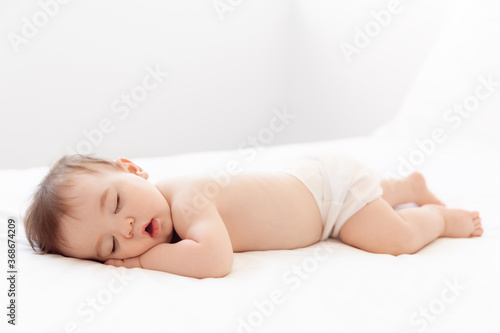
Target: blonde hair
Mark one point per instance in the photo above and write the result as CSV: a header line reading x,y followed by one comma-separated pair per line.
x,y
48,205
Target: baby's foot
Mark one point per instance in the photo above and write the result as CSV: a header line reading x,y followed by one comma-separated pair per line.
x,y
460,223
422,193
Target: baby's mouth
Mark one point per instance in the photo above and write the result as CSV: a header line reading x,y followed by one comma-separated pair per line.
x,y
153,228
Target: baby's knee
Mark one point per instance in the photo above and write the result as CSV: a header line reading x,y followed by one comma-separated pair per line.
x,y
404,242
406,246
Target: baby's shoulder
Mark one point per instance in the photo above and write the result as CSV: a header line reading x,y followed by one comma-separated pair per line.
x,y
180,185
183,197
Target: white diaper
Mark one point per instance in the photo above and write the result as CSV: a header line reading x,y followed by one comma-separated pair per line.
x,y
340,185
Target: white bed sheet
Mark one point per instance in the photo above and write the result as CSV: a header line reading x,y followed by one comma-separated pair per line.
x,y
451,285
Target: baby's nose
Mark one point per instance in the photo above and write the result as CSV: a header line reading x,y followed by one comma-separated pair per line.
x,y
128,229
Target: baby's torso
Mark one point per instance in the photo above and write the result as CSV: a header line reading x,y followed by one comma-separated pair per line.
x,y
261,211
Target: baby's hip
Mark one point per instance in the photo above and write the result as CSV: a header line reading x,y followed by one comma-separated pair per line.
x,y
339,184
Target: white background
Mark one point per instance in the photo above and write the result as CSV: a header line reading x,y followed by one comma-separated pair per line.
x,y
228,72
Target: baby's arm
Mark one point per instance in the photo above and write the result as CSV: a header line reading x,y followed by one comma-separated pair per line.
x,y
205,251
129,262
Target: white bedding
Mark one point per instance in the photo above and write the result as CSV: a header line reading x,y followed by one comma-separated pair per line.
x,y
449,286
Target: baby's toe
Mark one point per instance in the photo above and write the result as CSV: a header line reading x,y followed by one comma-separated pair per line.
x,y
478,232
478,228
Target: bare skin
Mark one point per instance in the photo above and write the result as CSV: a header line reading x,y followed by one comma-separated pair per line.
x,y
378,228
276,211
261,211
255,211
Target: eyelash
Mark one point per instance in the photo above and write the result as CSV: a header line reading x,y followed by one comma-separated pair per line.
x,y
117,203
116,210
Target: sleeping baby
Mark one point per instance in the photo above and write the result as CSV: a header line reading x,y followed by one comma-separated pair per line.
x,y
108,211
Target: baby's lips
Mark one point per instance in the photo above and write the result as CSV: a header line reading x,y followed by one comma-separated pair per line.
x,y
152,229
156,228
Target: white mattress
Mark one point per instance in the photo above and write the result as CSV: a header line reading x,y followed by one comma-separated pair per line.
x,y
451,285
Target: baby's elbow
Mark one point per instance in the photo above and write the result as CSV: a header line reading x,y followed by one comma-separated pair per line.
x,y
219,266
222,267
227,266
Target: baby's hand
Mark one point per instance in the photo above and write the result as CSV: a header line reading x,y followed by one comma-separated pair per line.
x,y
114,262
129,262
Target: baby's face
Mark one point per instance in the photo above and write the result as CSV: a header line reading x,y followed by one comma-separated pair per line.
x,y
115,215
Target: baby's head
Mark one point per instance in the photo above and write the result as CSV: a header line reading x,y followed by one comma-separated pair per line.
x,y
97,209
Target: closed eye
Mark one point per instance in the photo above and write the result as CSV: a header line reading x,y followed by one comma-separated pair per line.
x,y
117,202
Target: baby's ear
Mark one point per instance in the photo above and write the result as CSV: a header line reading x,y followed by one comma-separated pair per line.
x,y
128,166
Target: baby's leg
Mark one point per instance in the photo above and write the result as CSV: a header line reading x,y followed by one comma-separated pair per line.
x,y
410,189
378,228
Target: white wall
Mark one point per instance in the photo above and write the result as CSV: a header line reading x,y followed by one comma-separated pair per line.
x,y
228,73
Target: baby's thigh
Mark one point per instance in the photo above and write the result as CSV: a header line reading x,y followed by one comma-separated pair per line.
x,y
374,228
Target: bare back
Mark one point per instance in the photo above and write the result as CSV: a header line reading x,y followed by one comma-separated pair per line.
x,y
261,211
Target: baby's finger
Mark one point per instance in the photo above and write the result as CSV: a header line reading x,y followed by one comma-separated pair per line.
x,y
114,262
